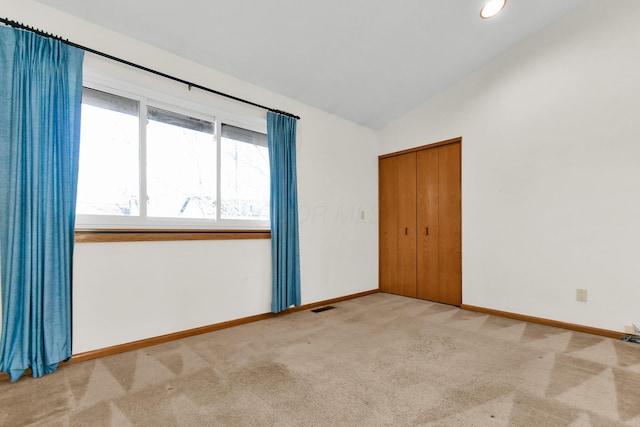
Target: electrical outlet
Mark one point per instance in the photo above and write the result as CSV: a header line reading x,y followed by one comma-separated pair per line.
x,y
629,329
581,295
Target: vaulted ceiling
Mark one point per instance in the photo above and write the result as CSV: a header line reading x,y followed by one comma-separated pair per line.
x,y
369,61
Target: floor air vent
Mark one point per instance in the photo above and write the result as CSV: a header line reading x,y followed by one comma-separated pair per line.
x,y
321,309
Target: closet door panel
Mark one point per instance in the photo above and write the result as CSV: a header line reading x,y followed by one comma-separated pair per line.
x,y
450,229
406,230
388,224
428,224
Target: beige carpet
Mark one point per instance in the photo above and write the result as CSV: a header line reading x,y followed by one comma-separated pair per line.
x,y
373,361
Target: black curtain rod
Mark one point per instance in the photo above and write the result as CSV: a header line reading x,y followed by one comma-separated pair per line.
x,y
39,32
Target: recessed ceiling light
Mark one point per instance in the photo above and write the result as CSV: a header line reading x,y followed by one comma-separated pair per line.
x,y
492,8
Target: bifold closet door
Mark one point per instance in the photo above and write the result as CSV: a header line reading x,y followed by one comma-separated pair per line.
x,y
439,263
397,224
406,230
388,224
428,222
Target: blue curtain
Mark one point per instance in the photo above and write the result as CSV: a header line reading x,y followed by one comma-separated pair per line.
x,y
285,256
40,102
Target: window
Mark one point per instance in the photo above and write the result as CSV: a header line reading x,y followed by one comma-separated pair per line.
x,y
144,164
245,174
181,166
109,147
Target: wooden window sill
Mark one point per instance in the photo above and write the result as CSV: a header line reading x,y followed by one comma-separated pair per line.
x,y
162,235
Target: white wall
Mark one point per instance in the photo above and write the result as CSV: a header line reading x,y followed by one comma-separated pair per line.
x,y
551,169
131,291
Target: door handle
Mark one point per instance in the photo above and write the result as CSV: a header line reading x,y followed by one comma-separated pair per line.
x,y
406,231
426,231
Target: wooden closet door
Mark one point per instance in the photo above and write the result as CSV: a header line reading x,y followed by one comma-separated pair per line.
x,y
439,264
420,251
406,231
388,224
428,220
450,224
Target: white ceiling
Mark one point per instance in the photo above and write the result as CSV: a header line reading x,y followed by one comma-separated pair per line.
x,y
369,61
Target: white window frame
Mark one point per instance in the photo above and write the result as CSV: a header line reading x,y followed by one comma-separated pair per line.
x,y
147,96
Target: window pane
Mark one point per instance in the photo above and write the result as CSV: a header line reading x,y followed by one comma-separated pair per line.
x,y
244,177
181,166
109,150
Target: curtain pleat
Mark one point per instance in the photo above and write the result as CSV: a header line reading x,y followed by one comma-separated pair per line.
x,y
40,100
285,257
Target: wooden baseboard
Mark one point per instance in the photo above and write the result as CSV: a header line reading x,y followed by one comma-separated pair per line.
x,y
136,345
547,322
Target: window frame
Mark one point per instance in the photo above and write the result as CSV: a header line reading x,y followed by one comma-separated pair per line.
x,y
114,225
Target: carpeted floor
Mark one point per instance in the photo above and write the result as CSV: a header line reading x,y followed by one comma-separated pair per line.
x,y
373,361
